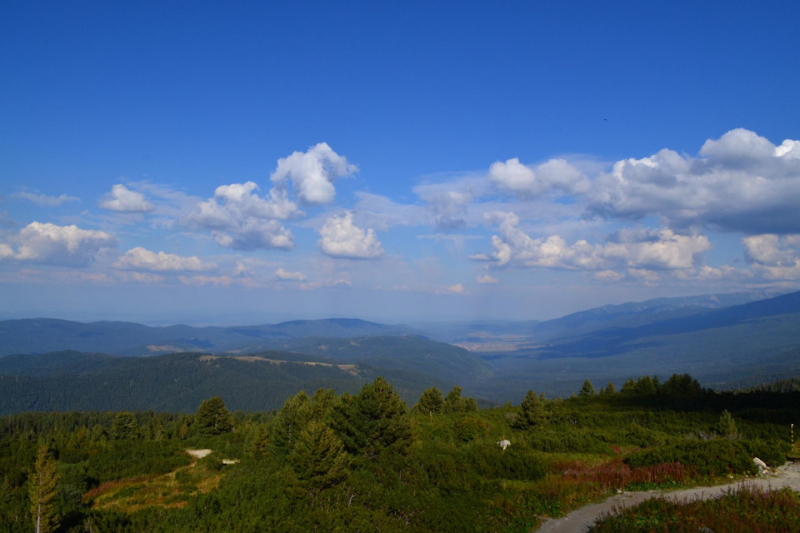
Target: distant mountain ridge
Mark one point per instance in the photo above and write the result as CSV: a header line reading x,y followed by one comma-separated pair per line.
x,y
42,335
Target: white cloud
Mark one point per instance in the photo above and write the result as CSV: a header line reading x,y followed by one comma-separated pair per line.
x,y
124,200
342,238
240,219
238,199
639,249
253,234
486,280
312,173
143,259
290,276
658,249
608,275
59,245
773,256
45,200
644,274
724,272
458,288
768,249
740,182
555,174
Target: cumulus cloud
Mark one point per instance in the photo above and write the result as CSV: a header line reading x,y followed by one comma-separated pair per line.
x,y
312,173
342,238
58,245
740,182
142,259
241,219
45,200
6,251
290,276
252,234
775,257
660,249
124,200
486,280
555,174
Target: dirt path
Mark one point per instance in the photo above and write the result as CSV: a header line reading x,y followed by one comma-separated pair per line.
x,y
581,519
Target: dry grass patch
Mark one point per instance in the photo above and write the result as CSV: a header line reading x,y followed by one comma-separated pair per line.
x,y
171,490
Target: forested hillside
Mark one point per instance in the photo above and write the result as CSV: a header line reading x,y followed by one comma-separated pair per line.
x,y
366,462
66,381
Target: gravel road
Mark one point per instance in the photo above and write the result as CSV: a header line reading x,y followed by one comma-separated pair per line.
x,y
582,519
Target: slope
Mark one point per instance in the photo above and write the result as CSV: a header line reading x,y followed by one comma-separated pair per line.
x,y
69,381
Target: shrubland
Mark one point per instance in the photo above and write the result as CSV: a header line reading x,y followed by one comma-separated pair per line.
x,y
366,462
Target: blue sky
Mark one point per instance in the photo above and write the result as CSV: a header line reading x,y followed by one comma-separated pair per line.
x,y
210,163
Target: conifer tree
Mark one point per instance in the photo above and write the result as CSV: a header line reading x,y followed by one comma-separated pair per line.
x,y
587,389
213,418
431,402
470,405
42,490
453,402
318,460
374,421
288,423
125,426
531,412
258,441
726,427
610,389
629,387
646,386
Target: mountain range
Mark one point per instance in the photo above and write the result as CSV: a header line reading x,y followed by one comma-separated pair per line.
x,y
726,341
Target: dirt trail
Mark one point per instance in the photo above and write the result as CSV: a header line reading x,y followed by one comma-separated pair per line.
x,y
582,519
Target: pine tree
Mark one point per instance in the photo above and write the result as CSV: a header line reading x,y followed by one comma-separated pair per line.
x,y
726,427
629,387
431,402
374,421
258,441
213,418
42,490
531,412
453,403
288,423
610,389
645,386
318,460
125,426
587,389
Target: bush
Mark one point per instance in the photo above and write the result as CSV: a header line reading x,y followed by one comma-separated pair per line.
x,y
711,458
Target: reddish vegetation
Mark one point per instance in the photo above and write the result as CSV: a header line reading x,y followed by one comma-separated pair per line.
x,y
745,510
108,485
618,475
